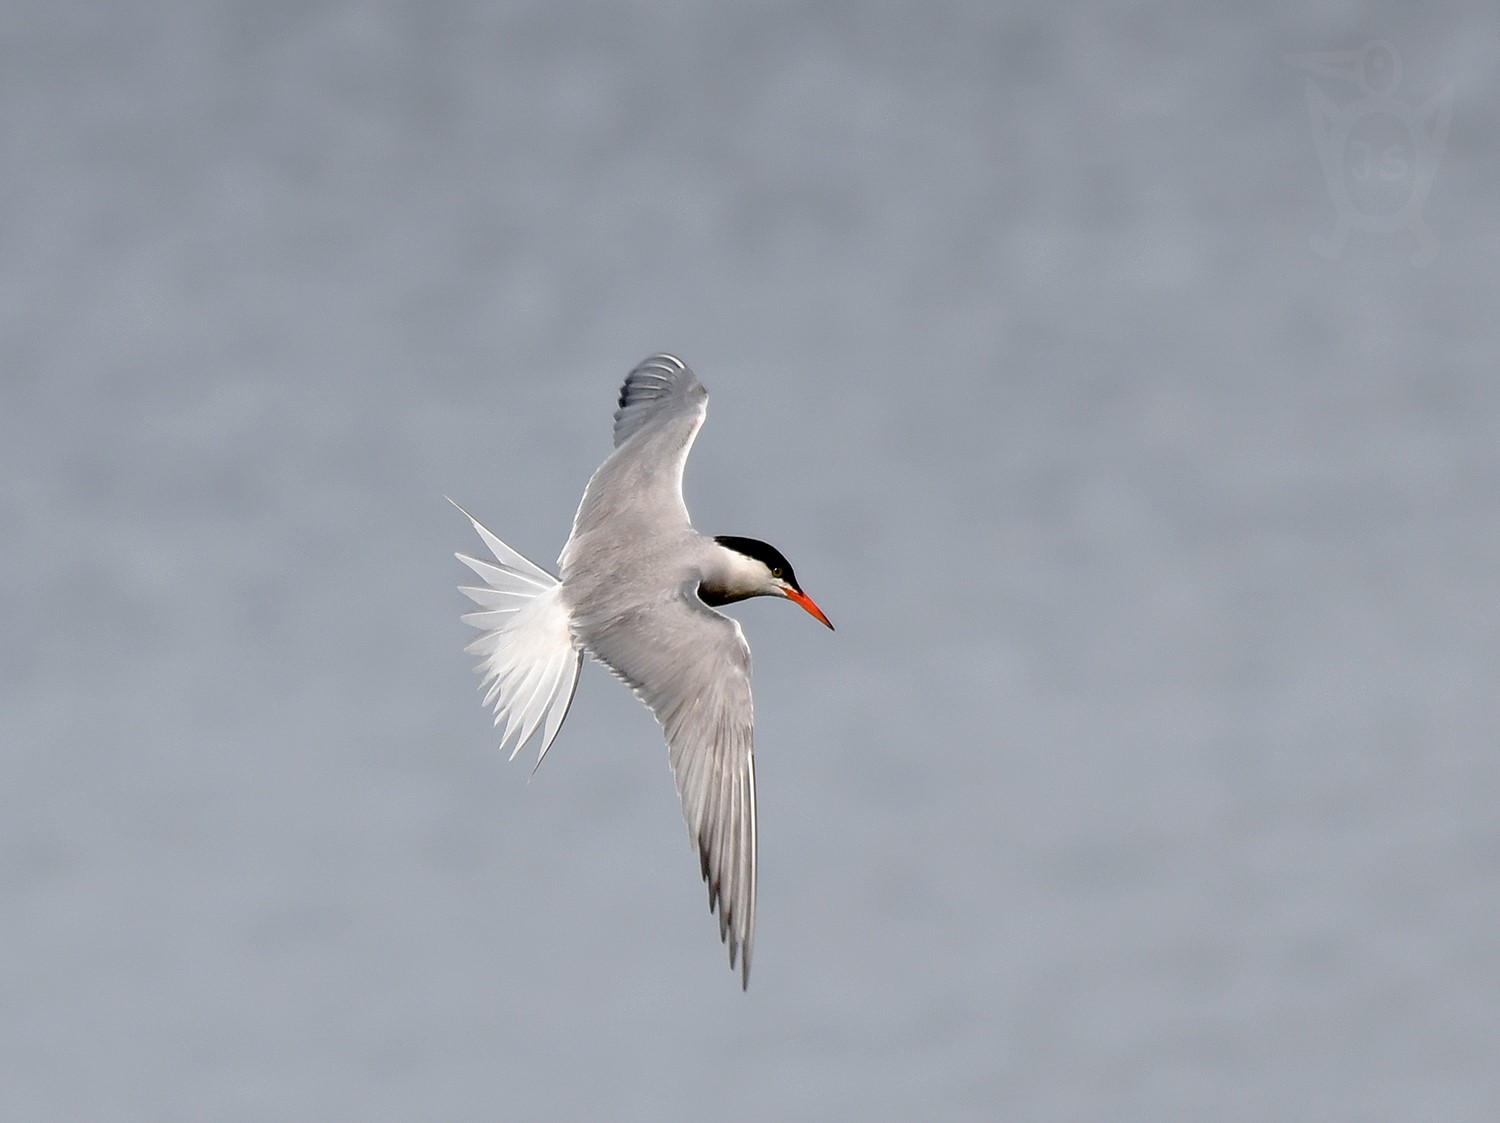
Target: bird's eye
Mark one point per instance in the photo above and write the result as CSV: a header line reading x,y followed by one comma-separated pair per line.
x,y
776,571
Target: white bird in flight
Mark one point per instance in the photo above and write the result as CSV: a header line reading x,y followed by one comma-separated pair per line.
x,y
638,591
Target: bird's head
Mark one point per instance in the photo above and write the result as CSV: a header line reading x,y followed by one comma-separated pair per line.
x,y
752,568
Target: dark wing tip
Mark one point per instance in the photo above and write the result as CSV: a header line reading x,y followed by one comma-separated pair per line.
x,y
647,389
718,903
649,377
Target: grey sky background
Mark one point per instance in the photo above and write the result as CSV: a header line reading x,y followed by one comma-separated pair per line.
x,y
1152,772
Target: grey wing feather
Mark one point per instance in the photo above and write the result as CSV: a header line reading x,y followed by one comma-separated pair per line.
x,y
661,386
636,494
691,666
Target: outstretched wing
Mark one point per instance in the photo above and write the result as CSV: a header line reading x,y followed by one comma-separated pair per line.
x,y
636,494
691,666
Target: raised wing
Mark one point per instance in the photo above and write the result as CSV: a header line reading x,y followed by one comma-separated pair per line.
x,y
636,494
691,666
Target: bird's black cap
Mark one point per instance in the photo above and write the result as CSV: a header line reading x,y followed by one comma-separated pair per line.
x,y
773,558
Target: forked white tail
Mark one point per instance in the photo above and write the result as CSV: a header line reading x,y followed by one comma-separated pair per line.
x,y
525,646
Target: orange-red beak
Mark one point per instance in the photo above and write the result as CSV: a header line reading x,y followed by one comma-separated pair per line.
x,y
806,602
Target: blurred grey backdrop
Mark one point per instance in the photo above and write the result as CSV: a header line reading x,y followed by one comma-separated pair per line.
x,y
1152,772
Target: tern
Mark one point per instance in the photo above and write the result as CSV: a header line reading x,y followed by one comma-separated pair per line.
x,y
638,591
